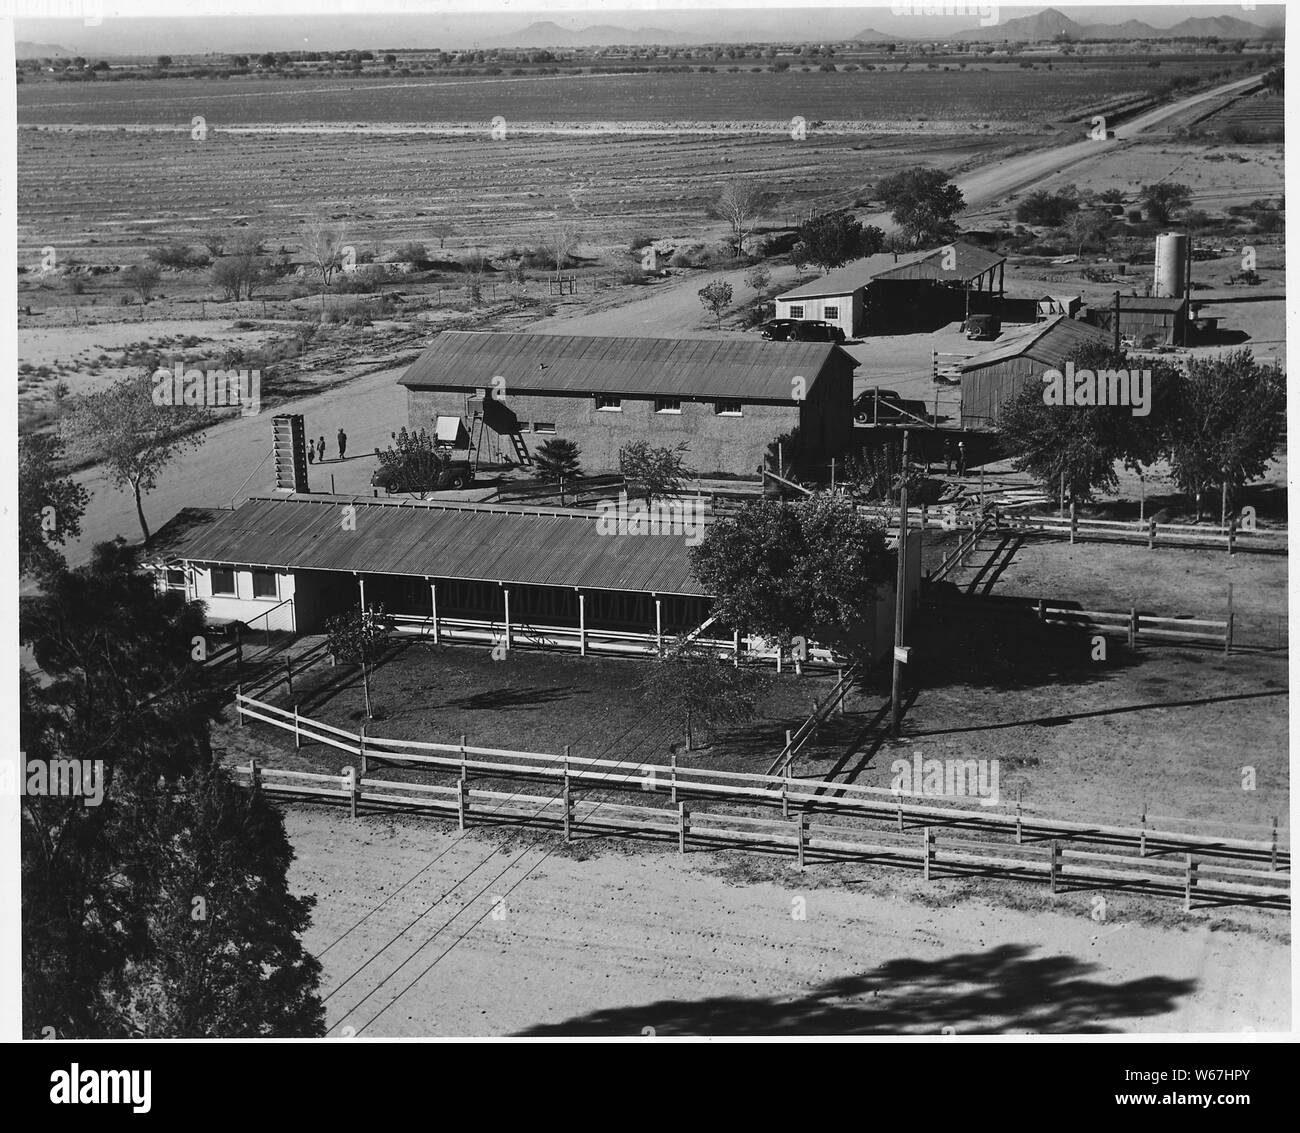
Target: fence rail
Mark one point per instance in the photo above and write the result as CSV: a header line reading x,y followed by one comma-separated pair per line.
x,y
1232,537
996,839
935,855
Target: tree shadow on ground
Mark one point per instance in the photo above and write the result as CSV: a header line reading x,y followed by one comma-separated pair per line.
x,y
1004,990
993,642
501,698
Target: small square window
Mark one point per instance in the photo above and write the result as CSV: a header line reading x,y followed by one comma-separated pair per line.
x,y
264,584
223,582
728,408
610,404
668,404
543,426
796,312
175,578
831,313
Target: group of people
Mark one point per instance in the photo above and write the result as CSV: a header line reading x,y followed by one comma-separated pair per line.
x,y
316,448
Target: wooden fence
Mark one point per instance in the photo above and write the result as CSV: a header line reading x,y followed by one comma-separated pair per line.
x,y
1134,626
1232,537
993,841
822,710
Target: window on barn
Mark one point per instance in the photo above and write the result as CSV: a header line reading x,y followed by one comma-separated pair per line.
x,y
223,582
668,404
796,311
831,313
543,426
728,408
612,404
264,584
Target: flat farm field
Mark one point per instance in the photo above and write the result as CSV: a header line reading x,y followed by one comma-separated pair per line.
x,y
974,93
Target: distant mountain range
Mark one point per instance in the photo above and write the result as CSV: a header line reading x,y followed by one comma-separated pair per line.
x,y
1050,24
26,50
674,25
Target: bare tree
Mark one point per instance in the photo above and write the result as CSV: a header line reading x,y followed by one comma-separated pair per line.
x,y
143,279
561,242
740,203
322,244
215,242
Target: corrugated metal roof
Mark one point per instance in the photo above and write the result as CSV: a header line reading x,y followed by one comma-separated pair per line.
x,y
851,277
1143,303
968,262
480,542
1049,342
752,369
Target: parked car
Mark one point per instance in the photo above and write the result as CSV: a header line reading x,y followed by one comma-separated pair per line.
x,y
778,330
801,330
457,475
886,407
983,327
817,330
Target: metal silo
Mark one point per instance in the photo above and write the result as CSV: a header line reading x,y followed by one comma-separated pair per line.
x,y
1171,265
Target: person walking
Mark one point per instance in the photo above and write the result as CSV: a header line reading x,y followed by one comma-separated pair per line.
x,y
961,458
311,453
947,455
320,451
343,443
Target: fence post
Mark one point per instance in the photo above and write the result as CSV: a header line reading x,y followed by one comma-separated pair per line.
x,y
1232,534
1151,535
672,773
900,812
239,706
463,757
1074,523
802,834
927,841
1042,609
568,800
1132,627
1020,840
683,827
1142,838
254,775
1189,884
462,803
839,673
1227,630
354,791
362,738
297,736
1054,871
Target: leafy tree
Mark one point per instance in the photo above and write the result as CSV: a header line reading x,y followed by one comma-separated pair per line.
x,y
923,203
359,637
143,279
741,203
413,463
1083,443
1228,425
50,505
811,568
759,277
1049,210
716,298
659,471
136,437
1088,226
215,241
1165,198
834,238
558,460
699,687
239,273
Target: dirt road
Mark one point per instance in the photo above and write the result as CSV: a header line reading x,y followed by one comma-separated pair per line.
x,y
615,944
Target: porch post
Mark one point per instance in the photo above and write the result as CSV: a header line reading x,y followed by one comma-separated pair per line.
x,y
506,591
433,594
659,625
582,624
361,582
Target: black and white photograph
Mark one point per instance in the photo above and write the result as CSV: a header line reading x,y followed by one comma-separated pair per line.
x,y
615,520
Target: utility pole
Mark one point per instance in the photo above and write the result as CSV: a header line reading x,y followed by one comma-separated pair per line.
x,y
900,599
1116,320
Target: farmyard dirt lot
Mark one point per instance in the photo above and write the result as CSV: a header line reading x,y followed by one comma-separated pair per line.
x,y
540,943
